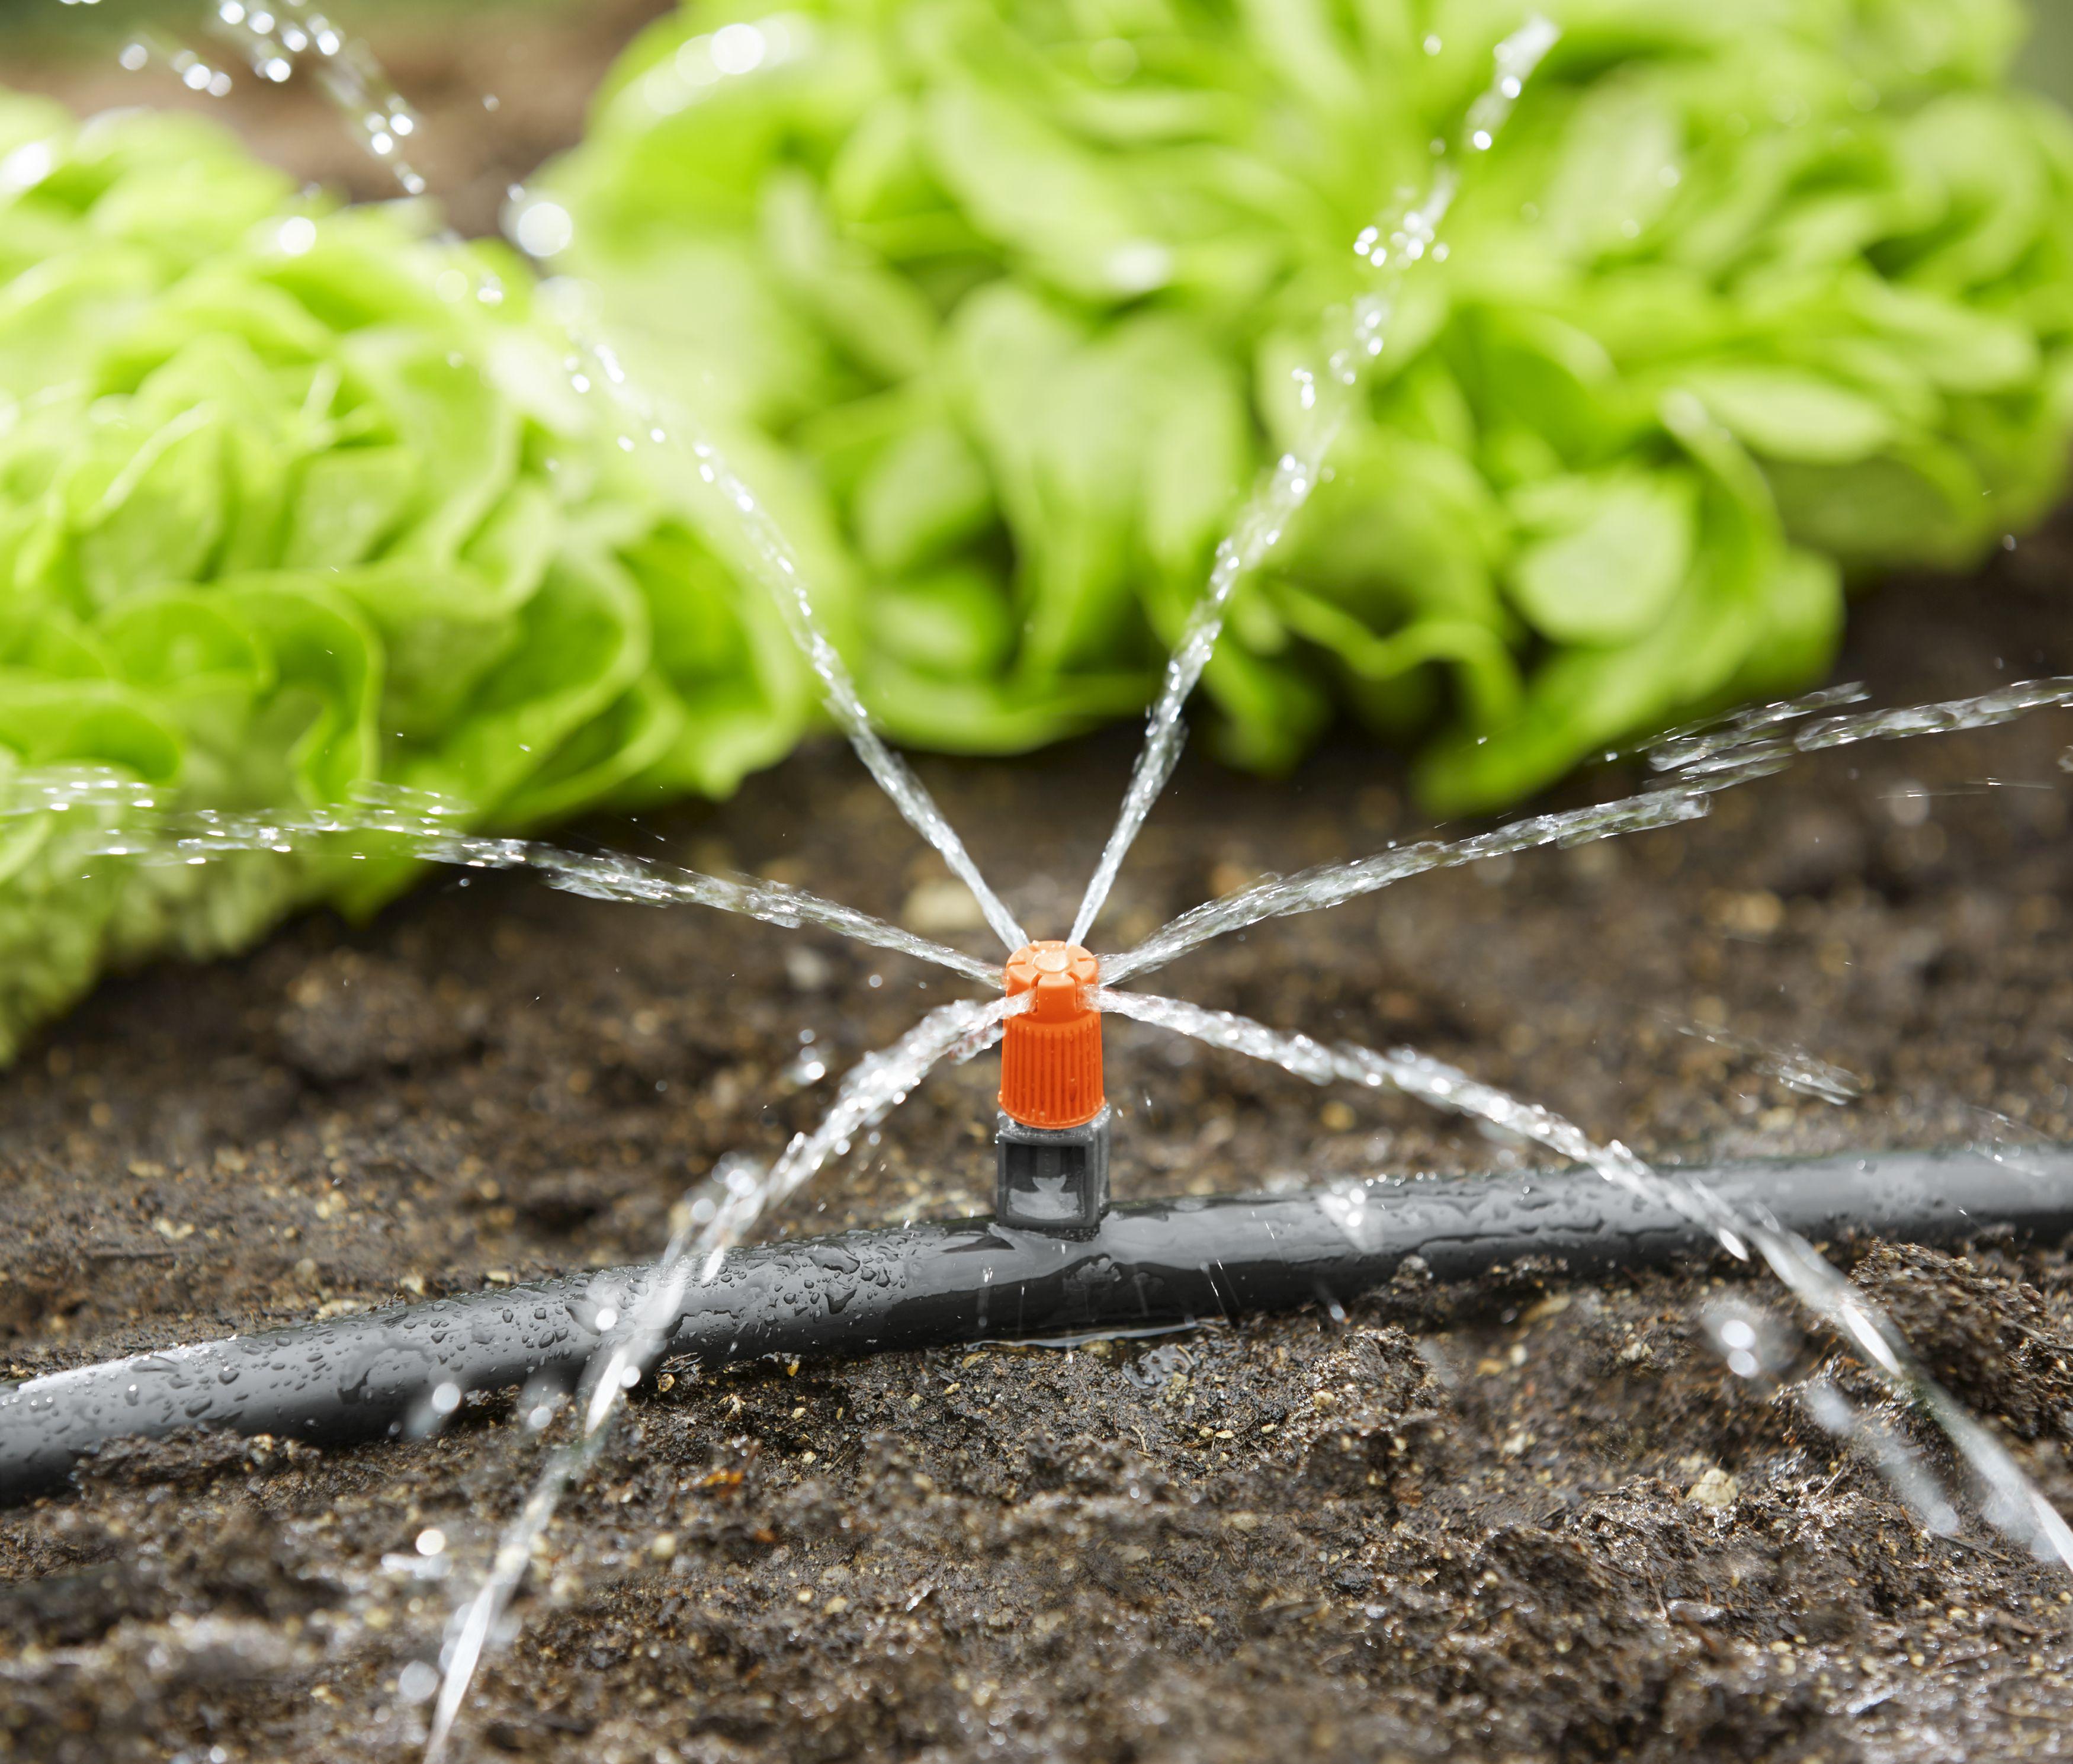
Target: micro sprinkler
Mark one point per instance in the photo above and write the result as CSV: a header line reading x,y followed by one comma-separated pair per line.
x,y
1052,1144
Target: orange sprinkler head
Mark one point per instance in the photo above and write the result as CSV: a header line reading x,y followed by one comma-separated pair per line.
x,y
1051,1056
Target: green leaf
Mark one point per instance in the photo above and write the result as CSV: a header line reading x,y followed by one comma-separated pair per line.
x,y
1604,556
603,757
581,641
326,685
926,493
1960,348
205,670
1488,678
84,722
57,314
348,503
448,413
991,716
721,649
953,623
1787,414
147,504
885,323
1026,186
1619,169
50,641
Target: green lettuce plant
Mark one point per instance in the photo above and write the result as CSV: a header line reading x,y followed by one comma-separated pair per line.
x,y
297,504
1008,299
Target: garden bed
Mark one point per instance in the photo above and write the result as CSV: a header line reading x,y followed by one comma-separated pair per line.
x,y
1538,1519
1481,1526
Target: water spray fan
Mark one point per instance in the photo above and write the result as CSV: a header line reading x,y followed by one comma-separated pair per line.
x,y
1059,1255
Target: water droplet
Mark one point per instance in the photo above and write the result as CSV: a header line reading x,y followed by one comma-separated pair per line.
x,y
544,229
738,48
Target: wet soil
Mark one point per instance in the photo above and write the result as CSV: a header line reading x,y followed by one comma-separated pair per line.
x,y
1539,1520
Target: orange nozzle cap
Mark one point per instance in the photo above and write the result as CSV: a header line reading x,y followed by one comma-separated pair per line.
x,y
1051,1055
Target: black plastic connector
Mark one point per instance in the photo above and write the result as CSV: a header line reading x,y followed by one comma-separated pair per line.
x,y
1052,1179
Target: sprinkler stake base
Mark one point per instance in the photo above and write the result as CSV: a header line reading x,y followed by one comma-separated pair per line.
x,y
1052,1179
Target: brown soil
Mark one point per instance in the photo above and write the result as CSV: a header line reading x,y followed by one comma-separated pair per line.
x,y
1457,1527
497,87
1450,1526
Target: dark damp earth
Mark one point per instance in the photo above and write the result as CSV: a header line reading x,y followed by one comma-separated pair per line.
x,y
1536,1520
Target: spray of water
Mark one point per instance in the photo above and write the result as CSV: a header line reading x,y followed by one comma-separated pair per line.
x,y
612,876
631,1345
1277,501
1875,1435
1430,1081
124,820
2009,1501
196,72
1989,710
1805,1074
696,1255
543,228
1391,247
276,36
775,565
877,1084
695,460
1726,738
1754,745
275,41
1331,884
1765,734
1761,1351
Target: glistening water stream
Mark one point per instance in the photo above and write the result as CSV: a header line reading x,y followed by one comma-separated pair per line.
x,y
1700,767
275,42
410,826
1391,247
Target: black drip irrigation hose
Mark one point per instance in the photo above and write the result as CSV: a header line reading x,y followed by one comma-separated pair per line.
x,y
1145,1266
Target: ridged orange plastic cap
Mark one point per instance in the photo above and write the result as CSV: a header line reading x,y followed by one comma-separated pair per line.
x,y
1051,1055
